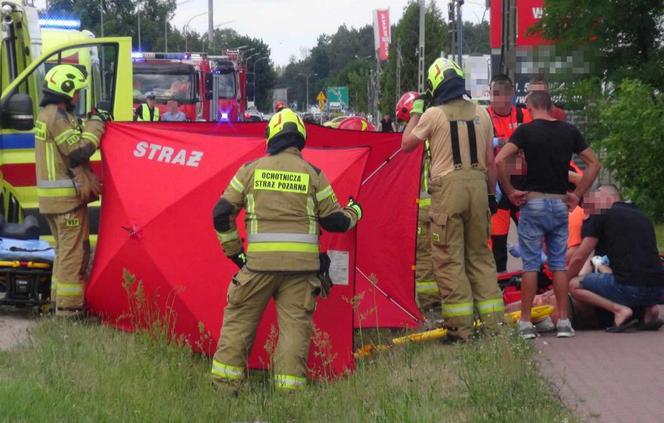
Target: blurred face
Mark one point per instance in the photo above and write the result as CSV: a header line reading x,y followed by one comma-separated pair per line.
x,y
172,106
152,102
501,97
595,202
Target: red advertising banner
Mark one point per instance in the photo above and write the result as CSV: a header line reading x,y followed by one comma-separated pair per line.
x,y
382,36
528,13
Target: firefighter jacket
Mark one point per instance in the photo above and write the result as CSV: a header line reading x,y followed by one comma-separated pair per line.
x,y
61,144
286,201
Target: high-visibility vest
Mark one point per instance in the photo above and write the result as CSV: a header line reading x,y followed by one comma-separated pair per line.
x,y
144,115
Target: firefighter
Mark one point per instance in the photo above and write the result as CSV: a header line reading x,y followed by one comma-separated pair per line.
x,y
463,179
428,295
148,111
65,182
506,117
286,200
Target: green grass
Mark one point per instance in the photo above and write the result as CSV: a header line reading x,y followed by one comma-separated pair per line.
x,y
659,231
86,372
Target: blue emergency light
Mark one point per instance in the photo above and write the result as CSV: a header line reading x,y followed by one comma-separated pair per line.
x,y
59,22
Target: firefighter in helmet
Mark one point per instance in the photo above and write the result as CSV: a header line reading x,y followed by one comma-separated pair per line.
x,y
287,200
463,180
65,181
428,295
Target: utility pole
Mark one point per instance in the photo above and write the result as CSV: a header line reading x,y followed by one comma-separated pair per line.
x,y
370,91
210,25
508,39
459,25
451,28
397,90
420,48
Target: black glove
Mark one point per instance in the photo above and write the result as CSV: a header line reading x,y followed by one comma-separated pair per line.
x,y
324,274
493,204
240,259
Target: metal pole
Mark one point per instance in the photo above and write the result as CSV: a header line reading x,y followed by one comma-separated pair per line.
x,y
139,30
459,22
398,72
420,48
165,35
253,83
306,101
210,25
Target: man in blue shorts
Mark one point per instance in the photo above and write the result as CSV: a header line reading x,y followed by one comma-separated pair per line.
x,y
626,236
548,145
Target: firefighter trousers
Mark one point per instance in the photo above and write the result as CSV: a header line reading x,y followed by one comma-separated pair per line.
x,y
428,295
248,294
463,263
72,251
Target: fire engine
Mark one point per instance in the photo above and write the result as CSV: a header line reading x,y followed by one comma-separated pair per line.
x,y
208,88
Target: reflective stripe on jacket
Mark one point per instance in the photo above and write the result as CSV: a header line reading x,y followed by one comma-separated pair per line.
x,y
59,137
283,196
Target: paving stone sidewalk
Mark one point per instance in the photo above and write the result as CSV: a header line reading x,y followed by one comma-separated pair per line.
x,y
606,377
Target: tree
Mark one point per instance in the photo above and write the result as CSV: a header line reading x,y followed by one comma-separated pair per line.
x,y
406,33
258,50
634,147
622,39
121,18
476,38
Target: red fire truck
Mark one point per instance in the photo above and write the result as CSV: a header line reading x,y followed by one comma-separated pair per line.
x,y
208,88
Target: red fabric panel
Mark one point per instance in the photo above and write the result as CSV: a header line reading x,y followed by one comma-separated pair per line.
x,y
386,237
157,224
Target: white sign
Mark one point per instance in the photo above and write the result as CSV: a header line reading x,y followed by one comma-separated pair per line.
x,y
339,266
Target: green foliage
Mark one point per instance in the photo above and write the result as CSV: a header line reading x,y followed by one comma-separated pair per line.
x,y
121,19
625,38
406,33
633,145
343,58
80,371
659,232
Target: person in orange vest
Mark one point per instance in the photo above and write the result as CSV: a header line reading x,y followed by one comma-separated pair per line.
x,y
540,84
506,117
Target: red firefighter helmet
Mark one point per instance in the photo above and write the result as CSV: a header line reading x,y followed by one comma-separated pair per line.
x,y
279,105
356,123
405,104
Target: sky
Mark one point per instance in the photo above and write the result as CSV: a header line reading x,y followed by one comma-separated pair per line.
x,y
291,27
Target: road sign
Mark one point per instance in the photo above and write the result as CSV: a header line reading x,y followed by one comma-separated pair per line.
x,y
337,97
322,100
